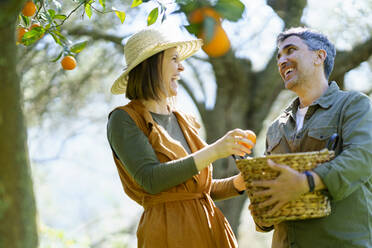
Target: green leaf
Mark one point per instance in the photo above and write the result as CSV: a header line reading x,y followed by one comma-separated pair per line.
x,y
209,26
45,17
103,3
120,14
78,47
58,57
26,20
187,6
52,13
56,39
60,17
135,3
40,30
49,15
153,16
88,9
231,10
32,36
194,28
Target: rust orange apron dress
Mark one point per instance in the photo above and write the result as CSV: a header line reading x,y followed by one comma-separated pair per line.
x,y
184,215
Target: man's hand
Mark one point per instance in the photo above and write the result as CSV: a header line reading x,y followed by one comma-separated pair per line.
x,y
288,186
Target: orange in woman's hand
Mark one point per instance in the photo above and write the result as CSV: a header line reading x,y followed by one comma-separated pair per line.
x,y
252,137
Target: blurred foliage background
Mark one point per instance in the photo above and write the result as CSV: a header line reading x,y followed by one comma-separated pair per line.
x,y
79,199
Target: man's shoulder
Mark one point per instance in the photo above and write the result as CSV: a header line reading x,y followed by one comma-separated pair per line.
x,y
352,96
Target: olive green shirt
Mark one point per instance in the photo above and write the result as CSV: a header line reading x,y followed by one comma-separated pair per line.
x,y
133,149
348,177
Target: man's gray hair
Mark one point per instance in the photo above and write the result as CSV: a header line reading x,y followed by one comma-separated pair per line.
x,y
315,41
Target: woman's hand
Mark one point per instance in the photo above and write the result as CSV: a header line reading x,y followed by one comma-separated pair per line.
x,y
234,142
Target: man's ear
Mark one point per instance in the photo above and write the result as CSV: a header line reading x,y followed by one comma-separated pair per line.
x,y
321,55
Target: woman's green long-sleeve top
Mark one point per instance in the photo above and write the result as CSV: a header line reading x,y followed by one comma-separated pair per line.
x,y
133,149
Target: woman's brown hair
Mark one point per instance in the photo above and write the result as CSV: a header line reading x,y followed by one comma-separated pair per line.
x,y
144,80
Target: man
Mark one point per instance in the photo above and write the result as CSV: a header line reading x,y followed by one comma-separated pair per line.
x,y
305,60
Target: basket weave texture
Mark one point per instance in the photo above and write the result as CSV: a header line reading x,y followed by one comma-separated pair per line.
x,y
309,205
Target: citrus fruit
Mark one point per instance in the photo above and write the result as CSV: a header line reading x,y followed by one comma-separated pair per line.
x,y
68,63
198,15
218,45
34,25
20,32
29,9
252,137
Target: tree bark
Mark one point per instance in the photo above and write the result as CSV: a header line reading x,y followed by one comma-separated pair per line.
x,y
17,204
346,61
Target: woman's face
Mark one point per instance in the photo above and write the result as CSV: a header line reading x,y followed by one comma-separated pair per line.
x,y
171,69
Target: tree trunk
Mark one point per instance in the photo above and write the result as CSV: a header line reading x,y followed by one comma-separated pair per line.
x,y
17,204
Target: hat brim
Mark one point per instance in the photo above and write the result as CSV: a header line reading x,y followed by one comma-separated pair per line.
x,y
185,50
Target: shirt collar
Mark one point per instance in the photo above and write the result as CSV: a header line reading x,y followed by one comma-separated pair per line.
x,y
325,101
328,98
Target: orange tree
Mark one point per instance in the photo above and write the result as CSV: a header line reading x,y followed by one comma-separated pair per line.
x,y
243,95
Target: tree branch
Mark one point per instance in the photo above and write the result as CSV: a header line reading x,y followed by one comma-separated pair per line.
x,y
200,106
203,59
346,61
289,10
97,35
196,75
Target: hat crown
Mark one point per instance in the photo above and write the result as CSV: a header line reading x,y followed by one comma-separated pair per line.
x,y
142,41
146,43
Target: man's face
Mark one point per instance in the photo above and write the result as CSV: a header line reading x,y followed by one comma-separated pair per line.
x,y
295,61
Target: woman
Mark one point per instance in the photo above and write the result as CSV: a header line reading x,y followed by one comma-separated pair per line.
x,y
162,162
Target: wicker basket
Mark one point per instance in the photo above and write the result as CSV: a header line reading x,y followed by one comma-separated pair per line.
x,y
309,205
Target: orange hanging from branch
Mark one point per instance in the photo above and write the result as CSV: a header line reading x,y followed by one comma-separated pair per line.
x,y
219,43
29,9
68,63
20,33
197,16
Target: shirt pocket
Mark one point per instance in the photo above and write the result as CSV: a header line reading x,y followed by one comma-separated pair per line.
x,y
318,138
273,141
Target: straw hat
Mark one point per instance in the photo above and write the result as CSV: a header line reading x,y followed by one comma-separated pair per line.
x,y
146,43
